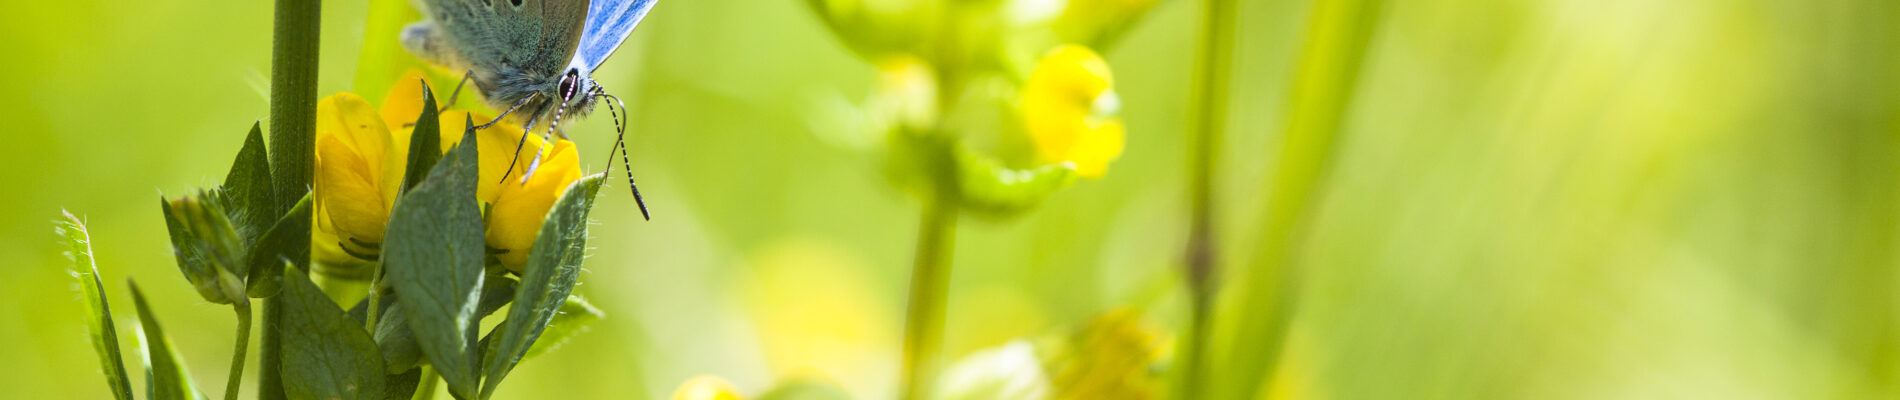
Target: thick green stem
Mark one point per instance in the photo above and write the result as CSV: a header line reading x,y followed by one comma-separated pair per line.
x,y
929,284
1337,37
236,380
293,107
1210,118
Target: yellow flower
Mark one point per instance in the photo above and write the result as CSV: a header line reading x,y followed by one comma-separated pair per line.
x,y
516,205
706,387
362,155
1068,106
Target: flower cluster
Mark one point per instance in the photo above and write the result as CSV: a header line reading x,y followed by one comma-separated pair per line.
x,y
361,155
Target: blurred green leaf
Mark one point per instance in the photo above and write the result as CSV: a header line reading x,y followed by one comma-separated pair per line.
x,y
554,263
806,389
105,338
574,317
288,240
247,189
425,143
990,189
166,378
206,245
433,255
325,354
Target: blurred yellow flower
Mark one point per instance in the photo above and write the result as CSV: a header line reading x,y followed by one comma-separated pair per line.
x,y
362,155
1112,358
706,387
1069,107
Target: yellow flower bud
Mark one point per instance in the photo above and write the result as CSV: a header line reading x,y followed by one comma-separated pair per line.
x,y
706,387
1069,107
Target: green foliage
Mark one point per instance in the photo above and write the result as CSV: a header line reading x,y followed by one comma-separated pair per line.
x,y
246,193
326,355
166,378
988,188
433,255
425,143
287,241
805,389
554,265
571,319
105,337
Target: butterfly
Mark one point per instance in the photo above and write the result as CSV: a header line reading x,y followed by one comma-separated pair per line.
x,y
533,56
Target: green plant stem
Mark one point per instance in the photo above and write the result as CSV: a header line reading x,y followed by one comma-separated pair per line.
x,y
425,390
1210,118
293,107
374,298
1254,324
243,308
929,284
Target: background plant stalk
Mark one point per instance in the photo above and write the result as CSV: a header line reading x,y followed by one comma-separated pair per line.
x,y
929,286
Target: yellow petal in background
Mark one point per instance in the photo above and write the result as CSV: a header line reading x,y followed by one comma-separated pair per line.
x,y
1068,105
706,387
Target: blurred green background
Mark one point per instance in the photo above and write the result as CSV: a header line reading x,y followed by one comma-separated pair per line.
x,y
1531,199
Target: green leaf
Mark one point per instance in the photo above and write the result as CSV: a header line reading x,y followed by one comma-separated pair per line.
x,y
325,354
433,254
247,188
402,386
554,263
398,343
165,375
287,240
207,247
988,188
573,318
425,143
105,338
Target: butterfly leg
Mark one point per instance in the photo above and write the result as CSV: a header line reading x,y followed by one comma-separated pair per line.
x,y
525,131
467,75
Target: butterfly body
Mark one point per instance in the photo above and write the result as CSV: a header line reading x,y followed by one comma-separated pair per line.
x,y
535,57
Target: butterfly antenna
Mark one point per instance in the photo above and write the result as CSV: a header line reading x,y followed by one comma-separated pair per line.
x,y
620,144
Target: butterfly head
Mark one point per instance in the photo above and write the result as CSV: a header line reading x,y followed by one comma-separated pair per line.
x,y
574,90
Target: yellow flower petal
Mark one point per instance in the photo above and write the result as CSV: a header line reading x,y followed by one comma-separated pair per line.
x,y
355,123
1066,106
403,103
520,206
706,387
346,188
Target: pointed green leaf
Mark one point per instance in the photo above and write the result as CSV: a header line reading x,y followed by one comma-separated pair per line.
x,y
574,317
433,254
288,240
247,188
989,188
207,247
325,354
554,263
105,337
425,143
165,375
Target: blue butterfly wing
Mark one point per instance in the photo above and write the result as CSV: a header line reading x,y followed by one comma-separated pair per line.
x,y
608,24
